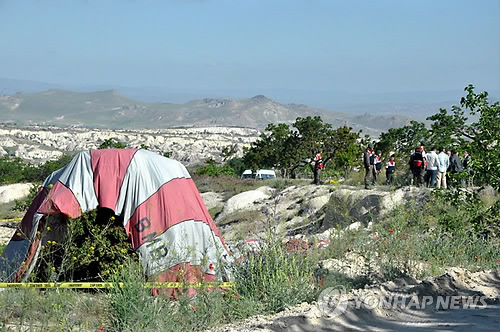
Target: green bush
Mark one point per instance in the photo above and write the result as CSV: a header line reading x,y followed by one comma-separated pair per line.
x,y
275,278
11,170
211,169
95,245
15,170
51,310
131,307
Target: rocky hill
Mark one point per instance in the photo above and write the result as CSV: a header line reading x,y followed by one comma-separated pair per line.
x,y
188,145
108,109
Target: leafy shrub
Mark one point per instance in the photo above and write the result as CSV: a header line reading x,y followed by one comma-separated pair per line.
x,y
11,170
14,170
131,307
276,278
94,246
211,169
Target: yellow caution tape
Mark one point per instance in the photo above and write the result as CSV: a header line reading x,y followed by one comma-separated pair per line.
x,y
112,285
11,219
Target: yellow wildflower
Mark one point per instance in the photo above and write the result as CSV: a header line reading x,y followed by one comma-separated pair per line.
x,y
48,228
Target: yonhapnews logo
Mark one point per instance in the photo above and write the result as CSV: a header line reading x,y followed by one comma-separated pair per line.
x,y
333,302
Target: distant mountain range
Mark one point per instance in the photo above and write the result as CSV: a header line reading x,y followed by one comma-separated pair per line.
x,y
109,109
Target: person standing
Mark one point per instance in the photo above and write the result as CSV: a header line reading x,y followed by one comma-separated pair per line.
x,y
367,157
390,168
432,166
418,161
466,167
318,167
455,167
444,163
377,167
448,152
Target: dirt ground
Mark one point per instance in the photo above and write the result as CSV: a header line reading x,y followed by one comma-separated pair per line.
x,y
365,309
362,310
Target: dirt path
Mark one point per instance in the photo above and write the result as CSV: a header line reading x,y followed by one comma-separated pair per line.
x,y
439,304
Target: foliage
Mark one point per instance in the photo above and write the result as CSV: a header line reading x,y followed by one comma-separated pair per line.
x,y
211,169
41,172
24,204
15,170
11,170
474,127
51,310
112,143
95,244
130,306
287,148
228,152
2,248
403,140
276,278
480,138
237,164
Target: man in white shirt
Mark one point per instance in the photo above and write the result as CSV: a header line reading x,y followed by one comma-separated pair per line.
x,y
432,166
444,162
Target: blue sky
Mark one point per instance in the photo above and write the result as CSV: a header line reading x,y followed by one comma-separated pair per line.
x,y
282,48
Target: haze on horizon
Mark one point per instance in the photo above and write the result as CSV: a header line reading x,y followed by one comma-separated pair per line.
x,y
321,53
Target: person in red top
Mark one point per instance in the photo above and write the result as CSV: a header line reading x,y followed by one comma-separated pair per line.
x,y
318,167
418,161
377,167
390,168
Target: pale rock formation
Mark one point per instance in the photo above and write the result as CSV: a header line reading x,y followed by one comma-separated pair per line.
x,y
11,192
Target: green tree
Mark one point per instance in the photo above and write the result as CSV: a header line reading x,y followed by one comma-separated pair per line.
x,y
288,149
480,138
403,140
112,143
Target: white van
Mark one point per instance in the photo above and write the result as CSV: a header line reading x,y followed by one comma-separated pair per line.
x,y
247,174
264,174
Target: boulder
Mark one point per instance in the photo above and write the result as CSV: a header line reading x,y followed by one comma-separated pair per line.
x,y
247,200
212,199
11,192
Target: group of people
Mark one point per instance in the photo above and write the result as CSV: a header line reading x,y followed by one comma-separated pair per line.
x,y
373,167
433,168
428,168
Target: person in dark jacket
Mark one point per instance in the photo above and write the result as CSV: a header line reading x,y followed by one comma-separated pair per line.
x,y
367,156
390,168
455,167
455,163
417,165
376,161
